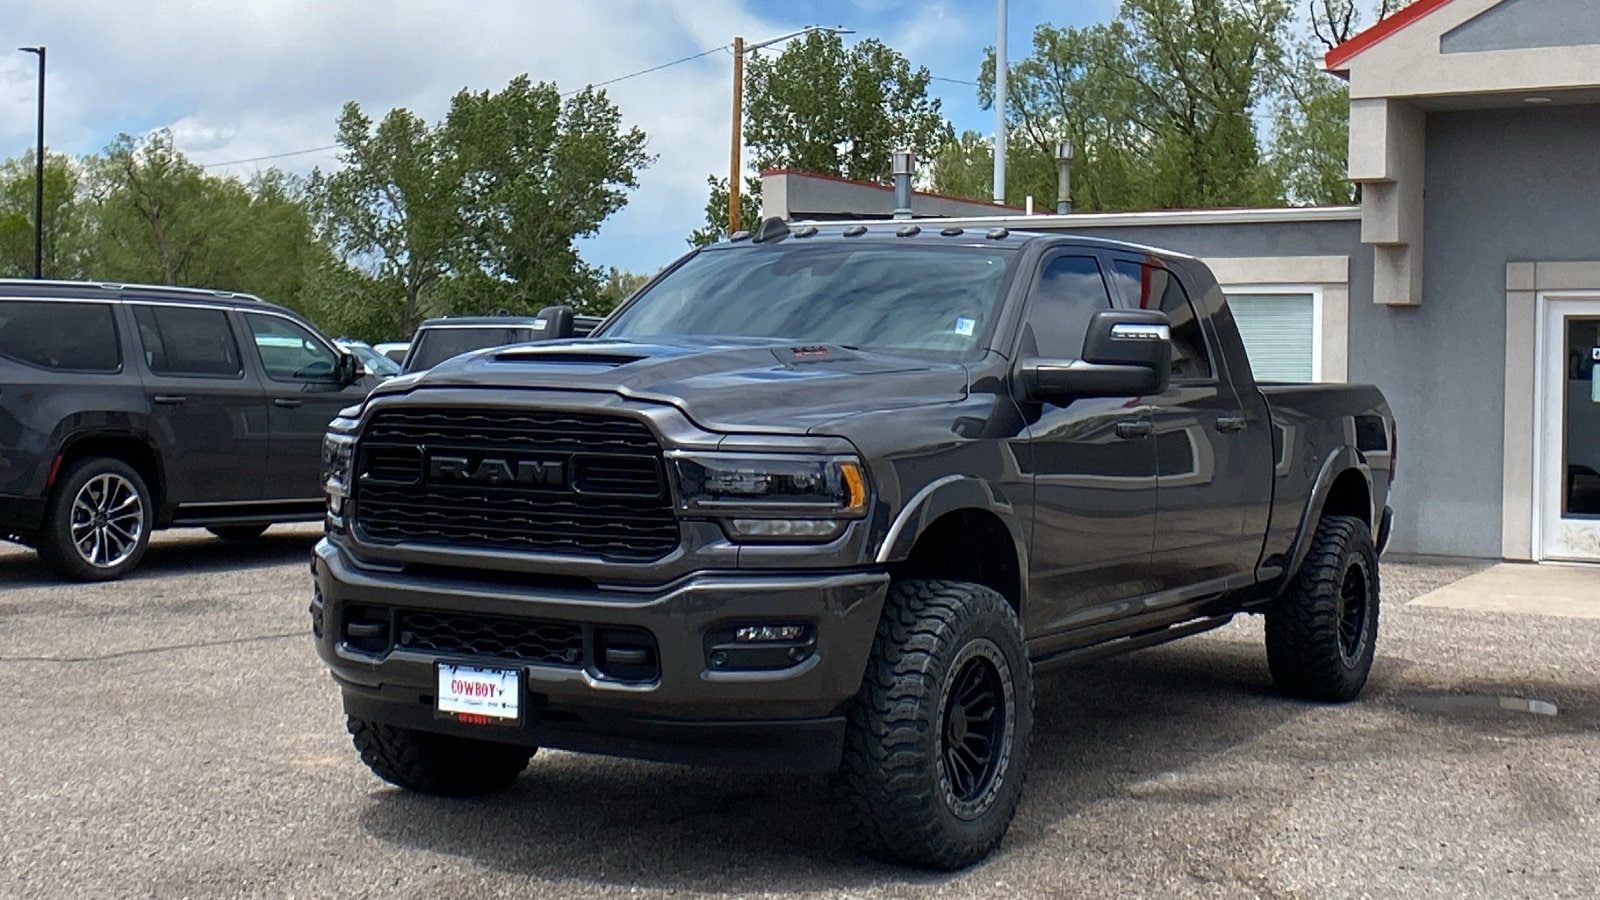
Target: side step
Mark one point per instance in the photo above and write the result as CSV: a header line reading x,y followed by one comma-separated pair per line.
x,y
1131,643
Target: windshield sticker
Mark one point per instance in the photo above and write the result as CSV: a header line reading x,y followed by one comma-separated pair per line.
x,y
964,326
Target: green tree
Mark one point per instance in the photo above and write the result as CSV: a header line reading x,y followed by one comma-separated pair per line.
x,y
1311,135
618,286
716,227
964,167
66,220
535,174
819,106
394,206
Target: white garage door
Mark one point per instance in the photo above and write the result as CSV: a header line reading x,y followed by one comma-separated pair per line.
x,y
1280,333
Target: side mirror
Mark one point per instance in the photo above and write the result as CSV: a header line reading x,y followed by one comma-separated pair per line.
x,y
1127,353
348,369
553,323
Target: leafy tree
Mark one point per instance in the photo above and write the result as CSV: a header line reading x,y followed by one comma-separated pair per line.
x,y
1311,135
535,174
716,227
821,107
964,167
66,220
394,206
618,286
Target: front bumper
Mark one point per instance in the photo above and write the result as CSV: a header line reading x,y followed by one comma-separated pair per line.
x,y
686,711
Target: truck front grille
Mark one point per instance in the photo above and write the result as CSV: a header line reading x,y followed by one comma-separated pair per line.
x,y
529,640
540,481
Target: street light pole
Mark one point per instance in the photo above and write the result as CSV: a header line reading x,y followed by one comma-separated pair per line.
x,y
38,174
739,50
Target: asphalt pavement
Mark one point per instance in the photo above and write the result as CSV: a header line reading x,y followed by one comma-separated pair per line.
x,y
174,735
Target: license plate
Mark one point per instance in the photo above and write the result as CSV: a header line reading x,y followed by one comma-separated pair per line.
x,y
471,694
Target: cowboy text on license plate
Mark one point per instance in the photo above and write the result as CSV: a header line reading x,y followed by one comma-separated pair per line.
x,y
468,691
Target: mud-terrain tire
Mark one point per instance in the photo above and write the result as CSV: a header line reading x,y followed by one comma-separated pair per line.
x,y
97,522
1322,634
237,532
937,739
438,764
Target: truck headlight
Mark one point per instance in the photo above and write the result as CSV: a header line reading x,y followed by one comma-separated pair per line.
x,y
784,498
338,465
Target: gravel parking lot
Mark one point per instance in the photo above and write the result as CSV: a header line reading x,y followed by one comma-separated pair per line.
x,y
174,735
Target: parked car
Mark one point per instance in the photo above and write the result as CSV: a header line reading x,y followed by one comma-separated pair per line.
x,y
826,500
440,339
373,362
394,351
129,408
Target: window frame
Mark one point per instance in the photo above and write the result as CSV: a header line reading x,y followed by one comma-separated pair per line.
x,y
1290,289
1211,347
135,303
116,331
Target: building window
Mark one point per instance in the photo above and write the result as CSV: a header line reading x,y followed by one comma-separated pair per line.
x,y
1280,330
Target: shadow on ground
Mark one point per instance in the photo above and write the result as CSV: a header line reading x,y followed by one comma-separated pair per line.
x,y
1098,730
169,555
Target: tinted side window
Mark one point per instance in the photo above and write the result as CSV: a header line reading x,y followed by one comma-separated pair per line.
x,y
179,341
289,352
1156,288
74,337
1070,290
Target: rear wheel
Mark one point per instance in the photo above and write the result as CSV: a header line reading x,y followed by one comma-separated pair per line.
x,y
938,736
97,522
1323,634
237,532
439,764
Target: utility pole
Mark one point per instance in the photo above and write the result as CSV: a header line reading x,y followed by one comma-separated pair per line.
x,y
38,174
739,50
1000,104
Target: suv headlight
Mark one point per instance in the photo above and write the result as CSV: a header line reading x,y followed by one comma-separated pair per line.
x,y
338,465
772,497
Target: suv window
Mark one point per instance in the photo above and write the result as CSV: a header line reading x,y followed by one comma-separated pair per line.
x,y
289,352
73,337
1156,288
1070,290
187,341
434,345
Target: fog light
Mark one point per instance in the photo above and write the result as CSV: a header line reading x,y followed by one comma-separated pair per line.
x,y
784,529
769,633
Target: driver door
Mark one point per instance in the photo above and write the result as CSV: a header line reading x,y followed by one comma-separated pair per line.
x,y
303,396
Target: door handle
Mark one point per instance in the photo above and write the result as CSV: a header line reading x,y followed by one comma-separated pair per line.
x,y
285,402
1231,423
1135,428
169,399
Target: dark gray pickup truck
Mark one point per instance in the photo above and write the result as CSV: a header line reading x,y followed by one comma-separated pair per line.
x,y
826,500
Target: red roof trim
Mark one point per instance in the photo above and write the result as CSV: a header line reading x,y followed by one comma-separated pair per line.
x,y
868,184
1336,58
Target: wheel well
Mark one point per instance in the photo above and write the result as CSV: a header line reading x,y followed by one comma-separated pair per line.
x,y
967,545
1349,496
130,450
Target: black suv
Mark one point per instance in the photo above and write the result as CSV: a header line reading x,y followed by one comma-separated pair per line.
x,y
126,408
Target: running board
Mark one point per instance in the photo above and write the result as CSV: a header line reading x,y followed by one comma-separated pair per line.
x,y
1131,643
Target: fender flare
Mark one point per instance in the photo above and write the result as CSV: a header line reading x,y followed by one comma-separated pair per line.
x,y
940,497
1338,462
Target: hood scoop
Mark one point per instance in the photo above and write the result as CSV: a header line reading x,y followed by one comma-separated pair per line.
x,y
583,356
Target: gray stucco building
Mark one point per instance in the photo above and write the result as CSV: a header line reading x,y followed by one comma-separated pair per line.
x,y
1466,285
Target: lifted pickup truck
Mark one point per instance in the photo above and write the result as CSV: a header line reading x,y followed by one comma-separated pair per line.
x,y
826,499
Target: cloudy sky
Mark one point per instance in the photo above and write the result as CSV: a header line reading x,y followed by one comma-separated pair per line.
x,y
237,80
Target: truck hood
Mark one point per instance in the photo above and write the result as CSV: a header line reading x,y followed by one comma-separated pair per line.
x,y
722,384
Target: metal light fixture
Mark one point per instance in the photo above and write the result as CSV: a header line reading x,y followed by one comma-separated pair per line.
x,y
1063,176
902,163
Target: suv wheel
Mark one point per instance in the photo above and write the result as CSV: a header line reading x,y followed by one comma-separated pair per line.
x,y
237,532
1321,636
97,523
938,736
439,764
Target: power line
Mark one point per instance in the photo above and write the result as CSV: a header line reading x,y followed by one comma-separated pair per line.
x,y
666,65
952,80
236,162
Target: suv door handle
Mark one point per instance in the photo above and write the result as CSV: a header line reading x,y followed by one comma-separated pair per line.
x,y
1231,423
1134,428
285,402
169,399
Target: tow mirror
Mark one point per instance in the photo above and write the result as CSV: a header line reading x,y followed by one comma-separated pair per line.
x,y
348,369
553,323
1126,353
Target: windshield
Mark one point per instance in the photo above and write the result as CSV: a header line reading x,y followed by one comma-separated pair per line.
x,y
435,345
376,363
920,301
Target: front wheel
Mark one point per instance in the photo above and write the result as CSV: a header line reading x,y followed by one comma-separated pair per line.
x,y
1322,635
437,764
937,738
98,521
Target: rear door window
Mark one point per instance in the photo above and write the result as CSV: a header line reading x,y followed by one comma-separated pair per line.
x,y
1152,287
65,336
188,341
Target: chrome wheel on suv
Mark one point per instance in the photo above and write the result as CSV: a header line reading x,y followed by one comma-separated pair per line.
x,y
98,522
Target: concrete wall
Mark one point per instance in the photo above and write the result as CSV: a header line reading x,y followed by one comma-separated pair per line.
x,y
1515,24
1502,186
